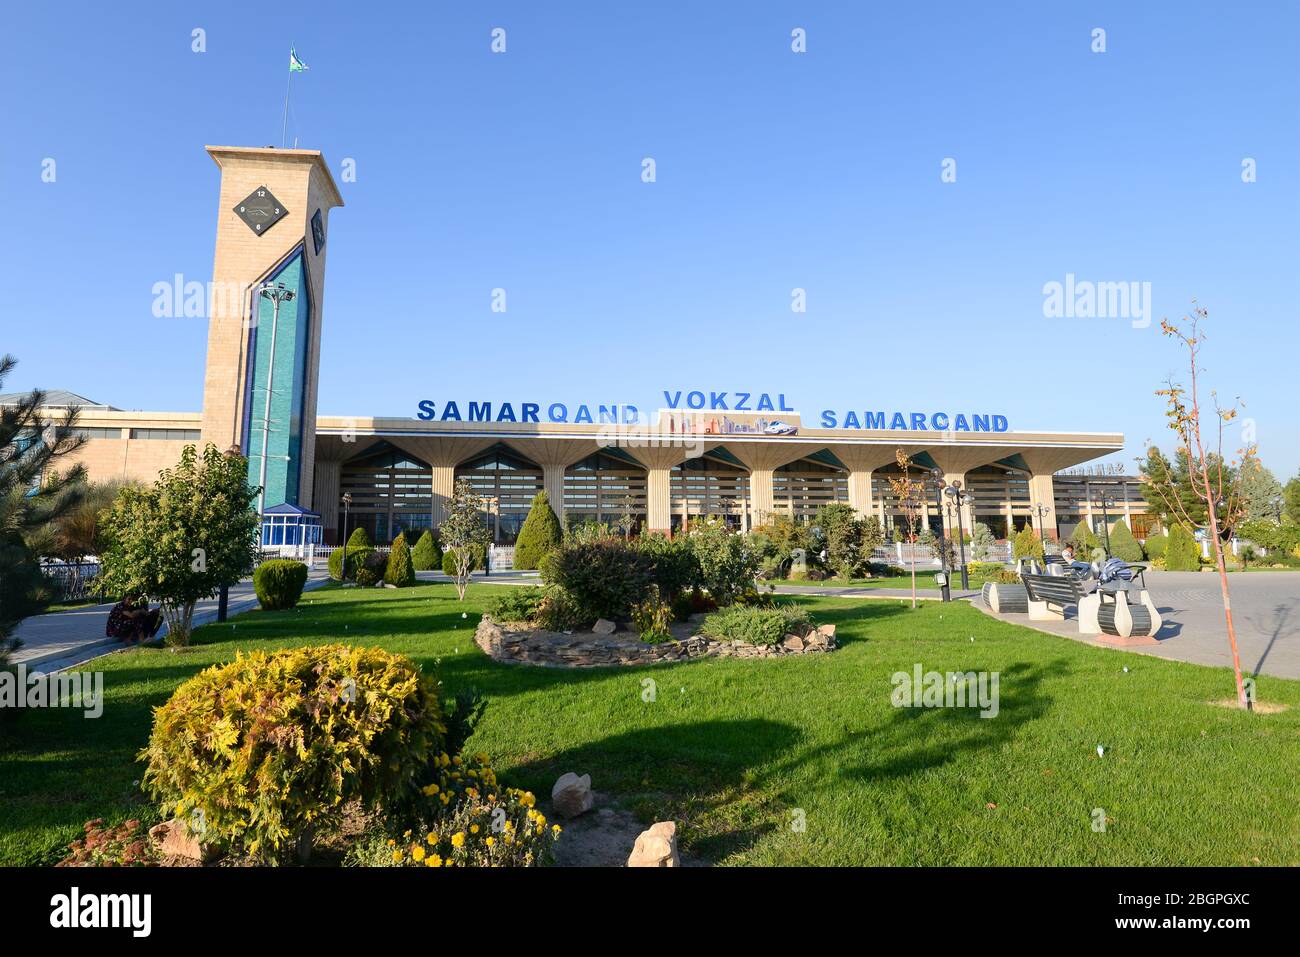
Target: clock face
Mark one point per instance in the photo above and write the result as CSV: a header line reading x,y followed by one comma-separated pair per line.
x,y
318,231
260,210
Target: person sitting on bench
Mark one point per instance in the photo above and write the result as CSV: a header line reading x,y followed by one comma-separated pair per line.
x,y
1080,570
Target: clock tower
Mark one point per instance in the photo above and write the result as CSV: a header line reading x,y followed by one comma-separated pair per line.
x,y
266,307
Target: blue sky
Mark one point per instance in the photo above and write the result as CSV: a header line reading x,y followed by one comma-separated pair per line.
x,y
775,170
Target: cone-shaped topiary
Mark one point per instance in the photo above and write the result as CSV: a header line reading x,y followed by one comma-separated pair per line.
x,y
1155,545
426,555
540,534
1027,544
358,538
1084,542
400,571
1123,544
1182,554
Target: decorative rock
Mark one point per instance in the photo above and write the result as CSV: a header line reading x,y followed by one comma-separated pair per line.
x,y
792,643
603,626
656,847
175,840
571,795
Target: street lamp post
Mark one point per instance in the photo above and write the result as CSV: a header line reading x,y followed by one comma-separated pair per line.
x,y
347,503
959,497
276,293
1042,511
1106,503
936,478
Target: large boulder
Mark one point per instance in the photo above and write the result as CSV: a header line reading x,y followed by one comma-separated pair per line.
x,y
656,847
572,795
603,626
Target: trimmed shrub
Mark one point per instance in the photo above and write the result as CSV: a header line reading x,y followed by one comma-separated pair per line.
x,y
268,749
1123,544
398,570
1084,542
1155,546
540,533
985,571
603,579
279,582
357,556
516,604
756,626
1182,554
426,555
359,538
1027,544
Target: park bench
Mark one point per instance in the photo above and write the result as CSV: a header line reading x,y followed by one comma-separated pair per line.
x,y
1003,599
1046,591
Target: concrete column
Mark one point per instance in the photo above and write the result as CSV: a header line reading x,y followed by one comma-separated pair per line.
x,y
658,501
860,495
442,486
761,501
553,483
1042,492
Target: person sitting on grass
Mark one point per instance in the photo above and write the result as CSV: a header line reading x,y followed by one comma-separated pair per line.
x,y
132,621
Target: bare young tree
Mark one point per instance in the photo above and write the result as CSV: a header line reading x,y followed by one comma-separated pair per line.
x,y
908,491
1215,482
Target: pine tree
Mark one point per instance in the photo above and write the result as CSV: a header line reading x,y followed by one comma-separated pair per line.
x,y
400,571
1084,542
30,499
1027,545
1122,543
540,534
426,555
1182,554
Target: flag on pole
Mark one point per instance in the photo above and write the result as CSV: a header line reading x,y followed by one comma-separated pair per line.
x,y
295,65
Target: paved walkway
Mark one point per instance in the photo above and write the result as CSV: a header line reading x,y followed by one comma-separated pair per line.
x,y
1266,607
1266,612
62,639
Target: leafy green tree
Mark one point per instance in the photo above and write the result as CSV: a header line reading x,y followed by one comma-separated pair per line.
x,y
728,564
1182,554
463,533
426,555
29,446
400,571
1291,501
1122,543
982,541
1027,544
844,536
183,538
1155,545
540,534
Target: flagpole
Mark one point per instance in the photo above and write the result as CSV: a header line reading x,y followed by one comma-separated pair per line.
x,y
284,124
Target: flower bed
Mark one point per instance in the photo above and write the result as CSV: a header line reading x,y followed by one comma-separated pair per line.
x,y
524,645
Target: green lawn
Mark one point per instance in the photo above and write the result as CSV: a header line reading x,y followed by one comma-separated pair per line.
x,y
732,748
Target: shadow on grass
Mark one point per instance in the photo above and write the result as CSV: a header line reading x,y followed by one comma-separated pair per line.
x,y
699,774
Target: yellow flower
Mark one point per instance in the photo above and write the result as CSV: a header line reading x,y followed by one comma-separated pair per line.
x,y
490,840
456,760
417,852
473,828
458,839
433,860
527,800
432,838
431,790
509,840
481,758
391,842
397,857
555,829
443,798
